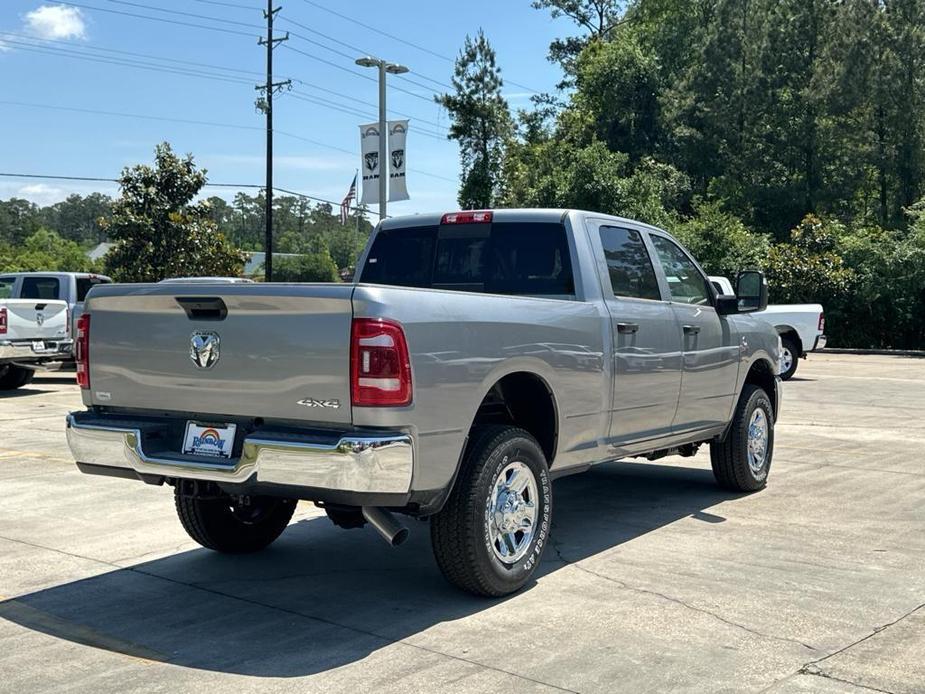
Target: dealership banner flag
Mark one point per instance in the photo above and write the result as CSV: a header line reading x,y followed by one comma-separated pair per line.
x,y
398,130
369,162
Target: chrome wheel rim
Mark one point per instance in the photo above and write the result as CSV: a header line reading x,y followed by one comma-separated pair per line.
x,y
758,430
511,512
786,360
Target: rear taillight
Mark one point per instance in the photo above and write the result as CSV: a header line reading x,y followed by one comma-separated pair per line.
x,y
380,369
3,321
82,351
821,322
467,217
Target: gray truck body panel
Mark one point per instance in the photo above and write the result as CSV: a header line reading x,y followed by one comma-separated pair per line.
x,y
615,394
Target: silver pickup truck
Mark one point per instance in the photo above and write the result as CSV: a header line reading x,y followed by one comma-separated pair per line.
x,y
478,356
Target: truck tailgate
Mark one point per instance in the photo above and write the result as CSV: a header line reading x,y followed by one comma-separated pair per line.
x,y
35,319
278,351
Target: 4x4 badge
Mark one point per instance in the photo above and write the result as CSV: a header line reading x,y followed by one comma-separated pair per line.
x,y
311,402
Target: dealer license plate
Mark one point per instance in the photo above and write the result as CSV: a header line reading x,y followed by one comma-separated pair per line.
x,y
215,440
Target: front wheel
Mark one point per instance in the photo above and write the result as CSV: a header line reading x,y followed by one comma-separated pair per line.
x,y
489,537
227,525
742,461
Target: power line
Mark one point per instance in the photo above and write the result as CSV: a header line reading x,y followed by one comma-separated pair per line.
x,y
401,40
229,4
126,63
97,179
378,31
213,124
39,41
180,13
154,19
38,45
318,101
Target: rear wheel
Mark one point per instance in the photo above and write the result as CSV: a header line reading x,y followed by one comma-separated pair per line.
x,y
13,377
489,537
742,461
789,358
227,525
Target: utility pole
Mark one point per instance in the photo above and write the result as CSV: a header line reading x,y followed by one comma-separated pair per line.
x,y
384,68
265,103
384,167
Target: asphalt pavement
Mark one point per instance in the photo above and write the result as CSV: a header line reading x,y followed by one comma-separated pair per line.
x,y
655,581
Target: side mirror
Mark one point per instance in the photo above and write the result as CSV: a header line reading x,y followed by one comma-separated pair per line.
x,y
727,304
752,291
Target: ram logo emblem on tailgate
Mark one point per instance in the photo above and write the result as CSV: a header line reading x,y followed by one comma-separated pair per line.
x,y
204,348
311,402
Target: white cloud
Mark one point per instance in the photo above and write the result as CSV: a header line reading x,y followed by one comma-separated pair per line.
x,y
56,22
43,194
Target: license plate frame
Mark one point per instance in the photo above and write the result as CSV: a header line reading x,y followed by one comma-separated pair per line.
x,y
209,440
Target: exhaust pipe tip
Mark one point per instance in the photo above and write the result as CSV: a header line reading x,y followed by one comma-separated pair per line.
x,y
386,525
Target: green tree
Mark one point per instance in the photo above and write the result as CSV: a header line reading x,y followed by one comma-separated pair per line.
x,y
160,231
596,19
309,267
720,241
78,217
481,122
19,219
44,250
810,268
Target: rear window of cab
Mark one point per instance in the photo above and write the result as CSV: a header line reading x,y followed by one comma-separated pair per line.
x,y
521,258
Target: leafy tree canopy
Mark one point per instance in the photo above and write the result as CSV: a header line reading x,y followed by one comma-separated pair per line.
x,y
160,231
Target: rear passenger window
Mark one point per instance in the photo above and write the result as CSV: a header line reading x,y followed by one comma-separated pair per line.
x,y
522,258
40,288
629,265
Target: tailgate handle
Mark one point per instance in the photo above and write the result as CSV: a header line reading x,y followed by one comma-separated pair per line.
x,y
203,307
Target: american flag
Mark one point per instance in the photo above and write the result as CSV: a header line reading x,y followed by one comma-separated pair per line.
x,y
347,201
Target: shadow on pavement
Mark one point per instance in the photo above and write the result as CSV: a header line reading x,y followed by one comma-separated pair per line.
x,y
321,597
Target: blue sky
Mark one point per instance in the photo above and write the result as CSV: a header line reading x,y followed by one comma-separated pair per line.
x,y
50,141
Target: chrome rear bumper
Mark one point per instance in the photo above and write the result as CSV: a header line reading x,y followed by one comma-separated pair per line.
x,y
52,350
374,463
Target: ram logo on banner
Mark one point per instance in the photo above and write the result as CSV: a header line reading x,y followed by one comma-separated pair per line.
x,y
398,129
370,164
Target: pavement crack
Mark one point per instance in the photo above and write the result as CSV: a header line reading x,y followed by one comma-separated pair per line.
x,y
820,673
811,668
677,601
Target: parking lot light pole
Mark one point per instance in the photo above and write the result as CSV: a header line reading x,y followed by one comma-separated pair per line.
x,y
384,68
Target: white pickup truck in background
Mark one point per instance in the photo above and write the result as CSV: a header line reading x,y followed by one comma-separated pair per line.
x,y
33,333
801,327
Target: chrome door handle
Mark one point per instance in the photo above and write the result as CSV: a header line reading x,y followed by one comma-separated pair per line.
x,y
626,328
691,329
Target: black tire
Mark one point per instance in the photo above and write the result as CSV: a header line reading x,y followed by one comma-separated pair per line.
x,y
460,533
730,458
791,346
13,377
225,526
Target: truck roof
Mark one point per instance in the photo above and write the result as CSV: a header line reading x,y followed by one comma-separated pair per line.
x,y
511,215
54,273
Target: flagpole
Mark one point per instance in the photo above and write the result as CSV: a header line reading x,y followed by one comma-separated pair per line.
x,y
356,228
